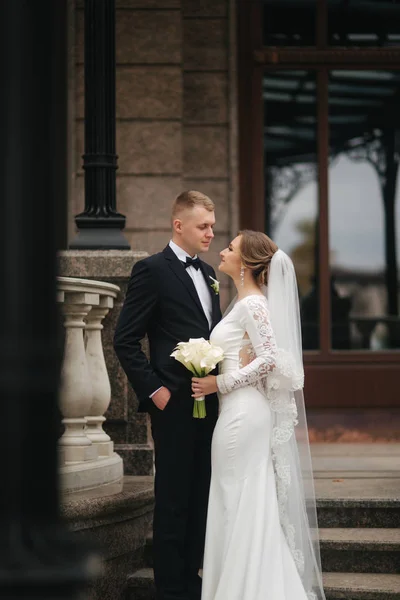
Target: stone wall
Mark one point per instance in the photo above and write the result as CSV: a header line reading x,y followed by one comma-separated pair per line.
x,y
176,118
114,527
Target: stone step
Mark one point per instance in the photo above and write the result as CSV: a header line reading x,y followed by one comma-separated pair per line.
x,y
350,501
374,513
360,550
138,459
346,549
338,586
361,586
140,585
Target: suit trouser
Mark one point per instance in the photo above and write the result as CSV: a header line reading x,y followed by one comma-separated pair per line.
x,y
182,480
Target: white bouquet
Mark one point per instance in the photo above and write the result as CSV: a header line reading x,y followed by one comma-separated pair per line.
x,y
200,357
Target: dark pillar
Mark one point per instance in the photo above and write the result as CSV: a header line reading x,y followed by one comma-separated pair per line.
x,y
100,224
389,185
38,557
389,200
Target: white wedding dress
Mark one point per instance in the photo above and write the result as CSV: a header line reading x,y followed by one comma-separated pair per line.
x,y
249,554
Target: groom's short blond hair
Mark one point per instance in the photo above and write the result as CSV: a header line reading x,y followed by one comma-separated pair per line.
x,y
190,199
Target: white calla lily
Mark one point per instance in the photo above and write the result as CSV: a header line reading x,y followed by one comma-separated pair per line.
x,y
200,357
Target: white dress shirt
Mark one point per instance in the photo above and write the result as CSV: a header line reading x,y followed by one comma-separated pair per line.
x,y
202,289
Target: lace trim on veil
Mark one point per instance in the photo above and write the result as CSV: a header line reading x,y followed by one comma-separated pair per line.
x,y
279,388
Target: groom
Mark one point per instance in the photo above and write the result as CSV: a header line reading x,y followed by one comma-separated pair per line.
x,y
171,299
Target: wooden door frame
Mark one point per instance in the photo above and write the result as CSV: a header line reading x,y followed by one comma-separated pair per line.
x,y
251,181
253,59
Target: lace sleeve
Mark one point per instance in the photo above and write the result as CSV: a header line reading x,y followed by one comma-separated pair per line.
x,y
255,321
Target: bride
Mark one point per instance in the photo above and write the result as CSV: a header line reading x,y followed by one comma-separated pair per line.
x,y
262,537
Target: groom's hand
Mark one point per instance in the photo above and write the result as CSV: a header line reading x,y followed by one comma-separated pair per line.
x,y
161,398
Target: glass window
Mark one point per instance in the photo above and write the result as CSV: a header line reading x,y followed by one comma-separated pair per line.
x,y
291,195
364,23
289,22
364,209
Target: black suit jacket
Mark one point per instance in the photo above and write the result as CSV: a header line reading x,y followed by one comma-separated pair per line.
x,y
162,302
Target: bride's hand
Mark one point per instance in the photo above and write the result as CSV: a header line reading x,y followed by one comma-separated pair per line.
x,y
202,386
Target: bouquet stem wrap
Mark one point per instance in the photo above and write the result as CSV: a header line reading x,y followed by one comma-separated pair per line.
x,y
199,408
200,357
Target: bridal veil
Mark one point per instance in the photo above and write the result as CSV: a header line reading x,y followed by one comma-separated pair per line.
x,y
290,443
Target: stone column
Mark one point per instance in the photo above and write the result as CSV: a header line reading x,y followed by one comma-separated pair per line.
x,y
76,388
87,457
100,224
38,557
101,389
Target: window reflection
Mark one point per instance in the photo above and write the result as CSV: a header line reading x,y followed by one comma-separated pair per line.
x,y
290,182
364,213
297,30
360,23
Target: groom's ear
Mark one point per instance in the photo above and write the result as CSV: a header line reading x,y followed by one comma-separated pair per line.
x,y
177,225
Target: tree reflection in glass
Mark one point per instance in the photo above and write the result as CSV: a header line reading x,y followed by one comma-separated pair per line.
x,y
290,182
363,212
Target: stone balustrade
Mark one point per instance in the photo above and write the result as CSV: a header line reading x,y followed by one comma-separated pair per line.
x,y
87,457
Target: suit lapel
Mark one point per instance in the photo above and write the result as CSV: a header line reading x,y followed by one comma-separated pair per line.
x,y
211,291
179,270
214,296
216,314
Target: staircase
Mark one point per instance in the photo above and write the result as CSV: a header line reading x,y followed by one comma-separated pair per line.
x,y
360,550
358,491
359,519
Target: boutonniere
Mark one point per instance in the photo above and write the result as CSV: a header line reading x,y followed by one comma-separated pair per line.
x,y
215,284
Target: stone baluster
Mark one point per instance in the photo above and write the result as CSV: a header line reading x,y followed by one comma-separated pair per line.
x,y
101,389
86,453
76,384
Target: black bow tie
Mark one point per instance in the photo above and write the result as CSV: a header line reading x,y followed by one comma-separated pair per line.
x,y
191,262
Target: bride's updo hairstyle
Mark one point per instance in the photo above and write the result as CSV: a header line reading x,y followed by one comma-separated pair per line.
x,y
256,251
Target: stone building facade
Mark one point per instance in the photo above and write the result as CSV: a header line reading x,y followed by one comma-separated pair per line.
x,y
176,115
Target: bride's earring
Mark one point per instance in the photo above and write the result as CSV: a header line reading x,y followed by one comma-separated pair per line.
x,y
242,275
